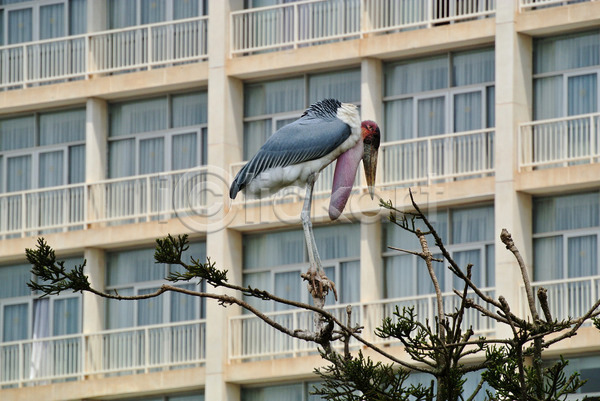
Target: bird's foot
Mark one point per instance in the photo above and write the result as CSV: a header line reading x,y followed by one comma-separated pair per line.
x,y
319,284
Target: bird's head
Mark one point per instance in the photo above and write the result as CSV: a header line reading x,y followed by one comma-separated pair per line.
x,y
371,138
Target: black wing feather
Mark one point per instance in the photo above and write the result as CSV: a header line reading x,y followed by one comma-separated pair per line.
x,y
317,133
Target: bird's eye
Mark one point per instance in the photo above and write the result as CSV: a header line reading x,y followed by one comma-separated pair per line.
x,y
367,140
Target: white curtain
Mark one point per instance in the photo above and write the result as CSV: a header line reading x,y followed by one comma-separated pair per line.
x,y
153,11
400,276
473,67
13,281
338,241
566,212
119,314
288,285
184,148
149,311
491,106
62,127
185,9
152,156
15,325
76,164
462,259
261,281
138,116
287,392
41,329
566,52
120,160
273,249
431,116
547,97
122,13
398,120
582,256
52,21
189,109
473,225
20,24
349,282
416,76
582,94
343,86
17,133
468,111
51,169
66,316
18,171
274,97
184,307
129,267
256,134
77,17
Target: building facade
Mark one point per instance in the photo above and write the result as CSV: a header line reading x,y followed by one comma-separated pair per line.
x,y
124,120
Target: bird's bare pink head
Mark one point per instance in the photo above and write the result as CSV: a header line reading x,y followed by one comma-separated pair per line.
x,y
371,138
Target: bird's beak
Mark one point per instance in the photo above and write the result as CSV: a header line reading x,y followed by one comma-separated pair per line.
x,y
370,151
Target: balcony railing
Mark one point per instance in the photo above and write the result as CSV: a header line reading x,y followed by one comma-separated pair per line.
x,y
310,22
119,201
533,4
437,158
250,338
73,357
118,50
559,141
566,297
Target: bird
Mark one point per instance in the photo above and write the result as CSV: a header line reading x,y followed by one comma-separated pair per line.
x,y
295,154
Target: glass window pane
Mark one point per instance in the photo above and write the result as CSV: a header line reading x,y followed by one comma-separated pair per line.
x,y
185,151
184,307
273,249
189,109
274,97
18,173
349,282
17,133
138,116
583,94
153,11
52,21
51,169
398,120
566,212
473,225
286,392
119,314
338,241
490,266
548,97
400,276
62,127
261,281
462,259
288,285
20,25
135,266
416,76
343,86
431,116
150,311
583,256
152,156
491,107
120,160
185,9
566,52
77,17
548,258
468,111
14,324
122,13
256,134
66,317
13,281
76,164
473,67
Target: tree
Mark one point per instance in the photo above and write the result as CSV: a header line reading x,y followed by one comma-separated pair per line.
x,y
512,367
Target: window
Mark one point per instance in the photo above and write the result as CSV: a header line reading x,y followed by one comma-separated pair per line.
x,y
26,21
565,75
589,369
134,272
281,392
42,150
274,262
565,241
164,134
25,315
124,13
468,235
440,94
269,106
184,397
472,380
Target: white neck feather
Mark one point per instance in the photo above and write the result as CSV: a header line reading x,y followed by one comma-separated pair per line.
x,y
348,113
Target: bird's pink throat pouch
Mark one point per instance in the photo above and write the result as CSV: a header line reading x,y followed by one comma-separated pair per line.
x,y
343,179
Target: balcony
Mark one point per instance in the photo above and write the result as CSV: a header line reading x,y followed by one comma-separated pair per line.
x,y
567,298
252,339
310,22
116,201
559,142
536,4
115,51
125,351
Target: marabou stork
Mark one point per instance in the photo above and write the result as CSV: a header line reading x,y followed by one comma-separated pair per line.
x,y
294,155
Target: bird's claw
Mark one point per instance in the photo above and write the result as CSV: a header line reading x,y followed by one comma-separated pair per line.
x,y
319,284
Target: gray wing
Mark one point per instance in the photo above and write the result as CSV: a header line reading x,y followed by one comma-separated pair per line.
x,y
308,138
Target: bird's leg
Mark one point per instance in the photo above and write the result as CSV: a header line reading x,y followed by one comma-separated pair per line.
x,y
318,283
